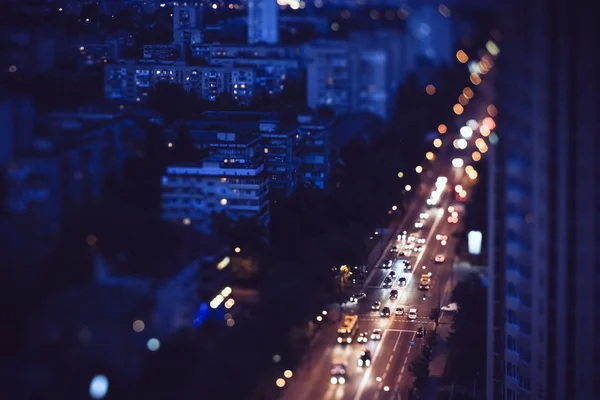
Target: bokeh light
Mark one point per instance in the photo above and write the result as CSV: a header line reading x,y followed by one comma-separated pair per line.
x,y
437,143
153,344
462,144
430,89
444,10
442,129
419,169
462,57
91,240
463,100
430,156
288,374
468,92
230,322
458,109
280,382
400,174
475,78
237,250
484,130
466,132
457,162
276,358
492,110
138,326
407,188
98,387
476,156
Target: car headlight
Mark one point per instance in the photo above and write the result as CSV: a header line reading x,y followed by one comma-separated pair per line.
x,y
349,340
360,362
333,380
368,362
339,340
341,380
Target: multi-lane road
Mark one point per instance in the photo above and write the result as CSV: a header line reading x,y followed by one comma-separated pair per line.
x,y
388,377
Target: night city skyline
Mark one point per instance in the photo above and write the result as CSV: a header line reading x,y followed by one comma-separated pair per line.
x,y
299,200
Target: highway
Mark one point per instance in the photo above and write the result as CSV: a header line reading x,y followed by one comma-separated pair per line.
x,y
388,377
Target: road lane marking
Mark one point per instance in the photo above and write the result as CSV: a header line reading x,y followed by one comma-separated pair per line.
x,y
391,358
366,377
397,341
405,361
401,372
376,396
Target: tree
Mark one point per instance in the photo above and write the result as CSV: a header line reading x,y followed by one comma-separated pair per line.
x,y
184,144
419,367
467,341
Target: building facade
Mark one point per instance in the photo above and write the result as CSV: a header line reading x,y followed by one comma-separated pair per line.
x,y
190,195
263,21
282,157
132,81
187,25
315,153
543,296
273,64
361,74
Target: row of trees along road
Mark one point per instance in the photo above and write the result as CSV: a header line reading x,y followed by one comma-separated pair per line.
x,y
310,232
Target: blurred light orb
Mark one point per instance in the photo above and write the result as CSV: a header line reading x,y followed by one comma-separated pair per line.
x,y
430,156
492,110
457,162
230,322
466,132
444,10
276,358
437,143
288,373
430,89
91,240
280,382
476,156
419,169
472,124
98,387
407,188
442,129
462,144
458,109
138,325
237,249
153,344
400,174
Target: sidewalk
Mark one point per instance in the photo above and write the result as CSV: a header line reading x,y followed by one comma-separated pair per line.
x,y
437,365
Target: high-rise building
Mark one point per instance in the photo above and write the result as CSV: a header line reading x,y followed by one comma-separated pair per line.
x,y
263,21
543,296
187,25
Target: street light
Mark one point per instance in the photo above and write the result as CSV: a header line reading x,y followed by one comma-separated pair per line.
x,y
407,188
394,208
419,169
237,250
280,382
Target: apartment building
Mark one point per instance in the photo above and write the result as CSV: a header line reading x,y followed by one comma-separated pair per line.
x,y
230,180
263,21
543,298
282,155
361,74
315,153
273,63
69,165
132,81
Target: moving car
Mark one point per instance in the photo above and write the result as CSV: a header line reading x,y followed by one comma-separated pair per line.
x,y
419,249
420,332
409,246
364,359
440,258
418,225
450,307
338,373
399,311
425,281
411,238
356,279
387,282
387,264
392,274
421,240
385,312
357,296
376,305
393,295
394,249
423,215
376,334
363,337
402,281
407,265
412,314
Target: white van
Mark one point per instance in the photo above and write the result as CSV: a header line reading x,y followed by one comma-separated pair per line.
x,y
412,313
